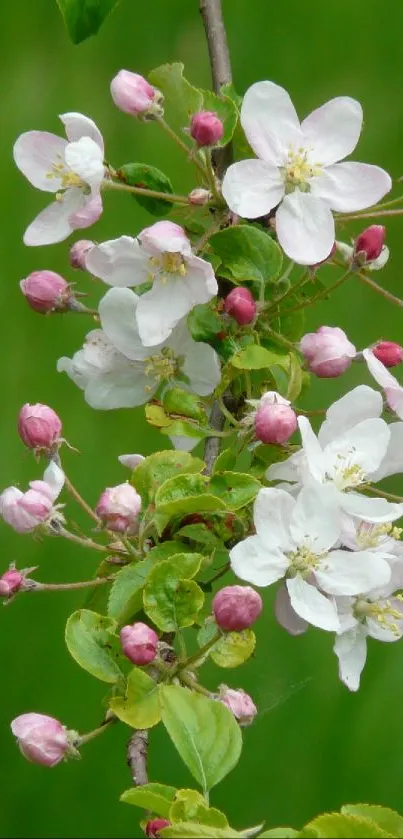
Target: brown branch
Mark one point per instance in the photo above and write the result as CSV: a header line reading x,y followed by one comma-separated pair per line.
x,y
137,749
212,446
211,13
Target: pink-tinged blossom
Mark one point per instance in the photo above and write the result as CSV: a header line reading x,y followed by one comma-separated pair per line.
x,y
391,387
133,95
347,253
369,244
153,827
328,352
298,170
25,511
78,252
388,352
199,196
116,370
119,507
236,607
10,582
273,418
131,460
39,426
139,643
161,254
240,703
241,305
73,169
41,739
206,128
46,291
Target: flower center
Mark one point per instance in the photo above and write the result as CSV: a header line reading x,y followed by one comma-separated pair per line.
x,y
168,263
67,176
346,473
162,366
370,535
303,562
298,171
381,611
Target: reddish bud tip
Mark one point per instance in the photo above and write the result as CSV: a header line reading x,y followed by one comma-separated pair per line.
x,y
46,291
328,352
41,739
240,703
206,128
275,421
10,582
118,508
236,607
154,826
199,196
368,246
39,426
139,643
240,304
78,253
133,94
388,352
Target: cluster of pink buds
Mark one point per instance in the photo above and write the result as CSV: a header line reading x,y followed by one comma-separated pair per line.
x,y
139,643
133,95
119,507
236,607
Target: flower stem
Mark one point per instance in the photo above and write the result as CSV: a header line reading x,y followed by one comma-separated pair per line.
x,y
148,193
179,142
379,290
85,738
389,495
227,414
79,540
187,680
98,581
279,338
212,178
200,653
321,294
80,500
372,214
129,547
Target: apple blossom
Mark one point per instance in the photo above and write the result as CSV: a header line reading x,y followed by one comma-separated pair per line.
x,y
296,539
393,390
328,352
161,254
298,170
25,511
240,304
388,352
117,371
347,252
46,291
139,643
133,95
73,169
273,418
39,426
10,582
78,252
206,128
369,244
41,739
240,703
118,508
236,607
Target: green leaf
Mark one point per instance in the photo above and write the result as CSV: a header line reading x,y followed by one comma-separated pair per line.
x,y
157,416
89,638
155,469
182,100
186,494
339,826
125,598
247,254
387,819
190,806
204,323
295,380
198,533
192,830
229,91
185,428
184,403
234,648
204,732
279,833
207,631
140,707
255,357
84,17
155,797
163,551
225,460
170,598
225,109
235,489
147,177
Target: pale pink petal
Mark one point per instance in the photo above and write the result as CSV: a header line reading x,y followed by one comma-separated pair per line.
x,y
286,470
88,214
119,262
123,387
312,450
272,511
378,370
117,311
131,460
315,519
392,463
53,224
252,188
370,509
361,403
78,125
251,561
270,122
352,572
35,152
351,650
85,158
285,614
305,228
54,477
200,365
311,605
347,187
165,237
332,131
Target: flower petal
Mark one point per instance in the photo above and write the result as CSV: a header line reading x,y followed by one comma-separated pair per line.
x,y
315,519
352,572
123,387
361,403
311,605
252,188
312,450
305,228
165,237
393,390
370,509
392,463
53,223
35,152
333,130
379,629
54,476
347,187
285,614
88,214
351,650
77,126
85,158
201,364
364,445
251,561
270,122
119,262
271,515
286,470
117,311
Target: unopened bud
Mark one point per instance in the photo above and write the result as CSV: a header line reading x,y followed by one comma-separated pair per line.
x,y
39,426
10,582
154,826
199,196
78,253
133,95
240,703
118,508
236,607
41,739
274,420
240,304
46,291
328,352
139,643
206,128
369,244
388,352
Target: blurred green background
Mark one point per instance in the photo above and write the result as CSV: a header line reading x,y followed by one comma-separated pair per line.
x,y
314,745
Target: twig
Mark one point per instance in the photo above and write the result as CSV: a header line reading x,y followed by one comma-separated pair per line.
x,y
80,500
379,290
148,193
212,446
211,13
33,585
137,749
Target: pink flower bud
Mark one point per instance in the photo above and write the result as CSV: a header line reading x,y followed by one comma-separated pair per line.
x,y
39,426
369,244
78,252
388,352
154,826
46,291
199,196
241,305
41,739
139,643
274,420
236,607
25,511
133,94
328,352
118,508
10,582
206,128
240,703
